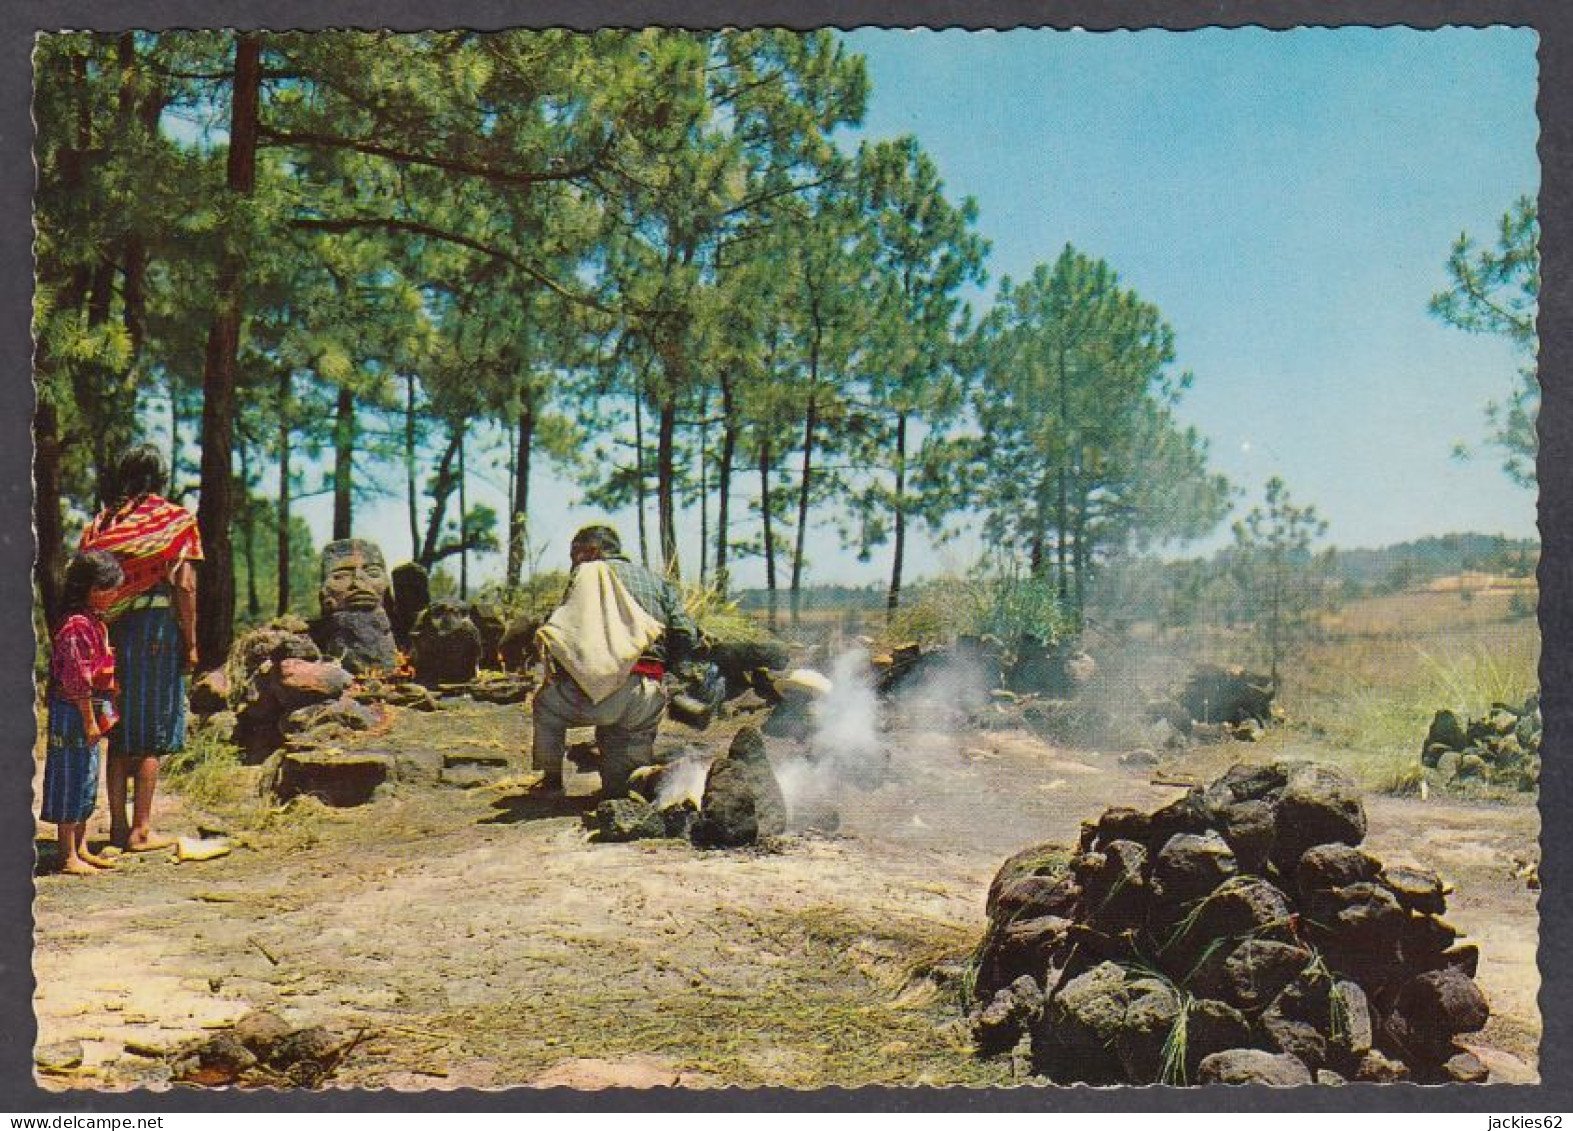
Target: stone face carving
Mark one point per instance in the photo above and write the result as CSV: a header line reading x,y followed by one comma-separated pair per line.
x,y
445,645
354,627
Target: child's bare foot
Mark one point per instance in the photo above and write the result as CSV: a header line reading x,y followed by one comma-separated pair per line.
x,y
76,867
95,860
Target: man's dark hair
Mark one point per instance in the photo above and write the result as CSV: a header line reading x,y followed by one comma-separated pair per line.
x,y
141,471
95,569
602,538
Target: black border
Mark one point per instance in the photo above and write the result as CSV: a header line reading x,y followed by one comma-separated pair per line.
x,y
1552,19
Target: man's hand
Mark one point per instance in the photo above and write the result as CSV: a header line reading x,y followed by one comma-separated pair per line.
x,y
191,657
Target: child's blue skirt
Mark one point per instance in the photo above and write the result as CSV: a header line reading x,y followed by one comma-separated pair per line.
x,y
70,767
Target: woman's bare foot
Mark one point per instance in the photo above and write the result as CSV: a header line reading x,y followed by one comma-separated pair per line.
x,y
76,867
148,842
95,860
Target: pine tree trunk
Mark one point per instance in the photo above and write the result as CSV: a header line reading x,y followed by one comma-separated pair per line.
x,y
520,519
344,464
285,397
248,535
665,474
811,419
639,492
1080,560
1062,522
48,568
704,498
724,483
464,526
442,487
216,591
769,545
893,601
411,494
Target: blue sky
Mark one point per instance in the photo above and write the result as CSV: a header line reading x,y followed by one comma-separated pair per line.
x,y
1287,199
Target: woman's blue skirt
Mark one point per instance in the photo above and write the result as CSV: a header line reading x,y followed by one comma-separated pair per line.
x,y
150,668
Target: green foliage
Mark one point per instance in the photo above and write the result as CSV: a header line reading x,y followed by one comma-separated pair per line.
x,y
1004,602
1498,292
1280,580
1083,455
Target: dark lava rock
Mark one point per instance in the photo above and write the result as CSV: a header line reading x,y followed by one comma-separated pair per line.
x,y
492,625
1318,805
1016,948
1217,694
1252,1066
1362,924
1123,823
519,646
261,1031
1251,974
210,692
1080,1024
340,780
360,639
1150,1016
624,819
1354,1026
1425,939
1190,865
411,596
1246,906
1434,1007
1330,1078
1249,828
1417,889
220,1060
1327,866
792,718
1035,860
1029,897
1001,1024
1245,782
1185,814
1446,733
1464,1067
344,711
310,1046
1113,888
1212,1026
1377,1067
445,645
742,800
679,819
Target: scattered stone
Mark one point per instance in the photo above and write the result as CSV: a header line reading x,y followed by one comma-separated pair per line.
x,y
1139,759
624,819
261,1030
1376,1067
60,1056
1464,1067
339,780
220,1060
1008,1017
1253,1066
210,692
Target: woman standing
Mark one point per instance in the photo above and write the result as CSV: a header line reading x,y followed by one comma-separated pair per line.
x,y
153,628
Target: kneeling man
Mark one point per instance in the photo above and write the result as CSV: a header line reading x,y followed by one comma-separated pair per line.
x,y
608,646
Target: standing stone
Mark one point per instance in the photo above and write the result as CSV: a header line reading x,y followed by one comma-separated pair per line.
x,y
411,596
742,800
445,645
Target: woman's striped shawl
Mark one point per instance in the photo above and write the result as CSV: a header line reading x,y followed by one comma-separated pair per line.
x,y
148,538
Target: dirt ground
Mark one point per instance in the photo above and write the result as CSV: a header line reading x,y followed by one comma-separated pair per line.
x,y
474,938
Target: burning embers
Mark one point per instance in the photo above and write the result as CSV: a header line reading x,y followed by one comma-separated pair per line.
x,y
1237,935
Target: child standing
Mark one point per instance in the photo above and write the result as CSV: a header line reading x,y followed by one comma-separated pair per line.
x,y
81,681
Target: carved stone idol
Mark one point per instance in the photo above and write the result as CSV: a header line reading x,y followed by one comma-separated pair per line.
x,y
445,645
354,626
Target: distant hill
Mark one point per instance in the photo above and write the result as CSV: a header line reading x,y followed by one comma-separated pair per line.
x,y
1406,564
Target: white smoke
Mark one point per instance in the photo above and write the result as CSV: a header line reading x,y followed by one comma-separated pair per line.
x,y
847,720
683,780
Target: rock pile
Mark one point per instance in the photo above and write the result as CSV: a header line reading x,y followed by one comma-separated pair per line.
x,y
280,687
262,1050
1501,747
1216,702
1236,935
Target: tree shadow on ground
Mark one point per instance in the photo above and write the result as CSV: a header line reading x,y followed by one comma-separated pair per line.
x,y
533,806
